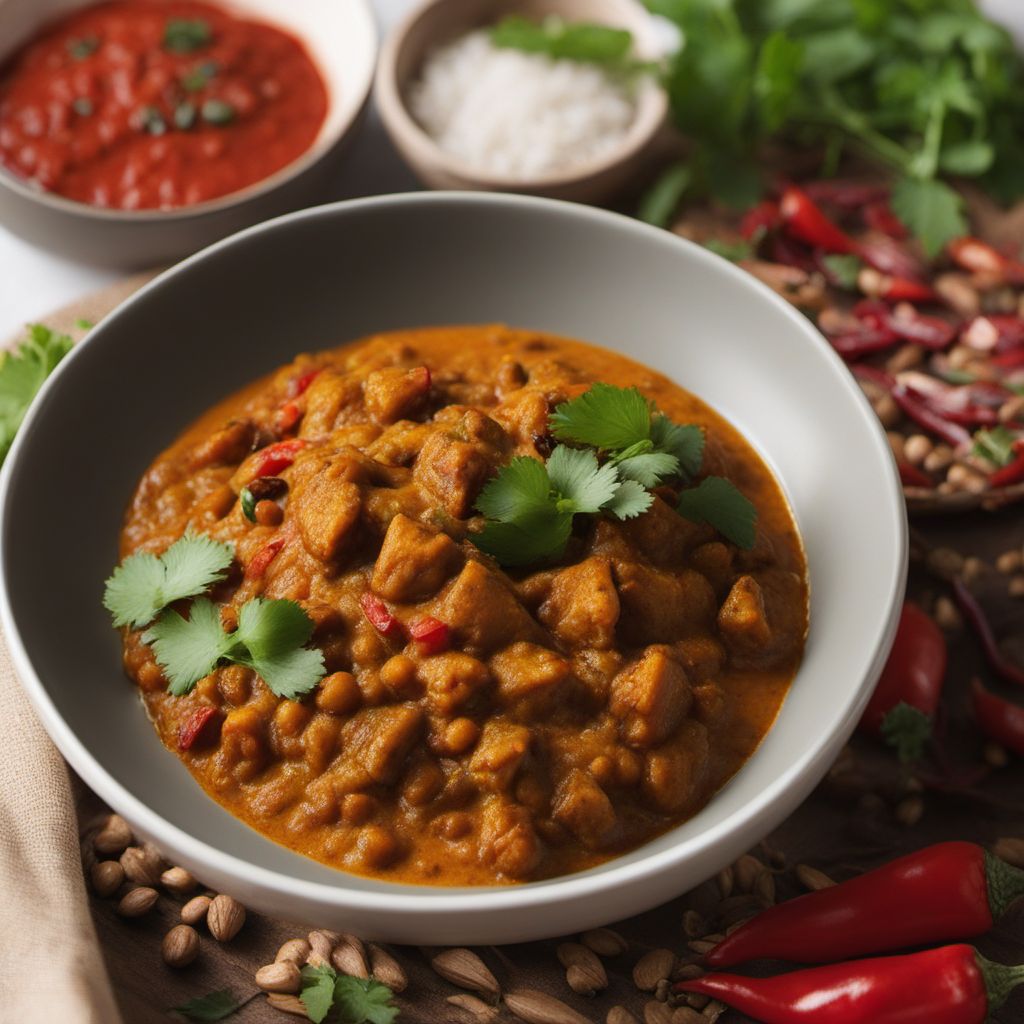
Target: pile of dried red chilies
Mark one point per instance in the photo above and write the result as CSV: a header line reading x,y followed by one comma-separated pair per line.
x,y
948,891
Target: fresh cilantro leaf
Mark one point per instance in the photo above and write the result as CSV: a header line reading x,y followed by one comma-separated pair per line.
x,y
189,649
362,1000
604,416
22,373
629,501
908,731
566,40
521,488
931,210
578,479
648,468
318,991
184,35
776,79
685,442
734,180
995,445
212,1007
845,268
84,325
534,539
144,584
731,251
718,502
662,199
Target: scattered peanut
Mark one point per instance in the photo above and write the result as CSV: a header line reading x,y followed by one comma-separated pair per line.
x,y
693,925
114,837
287,1004
196,910
620,1015
652,967
321,944
910,811
1010,849
539,1008
657,1013
385,968
106,877
604,942
1016,587
295,950
180,946
349,957
813,879
947,615
464,968
280,976
916,448
225,917
137,902
178,880
142,865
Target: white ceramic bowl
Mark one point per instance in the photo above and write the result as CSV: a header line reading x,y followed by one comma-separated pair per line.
x,y
319,277
341,37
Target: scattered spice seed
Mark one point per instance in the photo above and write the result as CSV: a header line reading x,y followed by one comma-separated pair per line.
x,y
178,880
910,811
287,1004
296,950
180,946
280,976
386,969
142,865
586,980
1016,587
195,910
725,882
656,1012
604,942
1010,562
321,945
652,967
349,957
114,838
137,902
225,917
464,968
539,1008
620,1015
687,1015
693,925
946,616
107,877
471,1004
813,879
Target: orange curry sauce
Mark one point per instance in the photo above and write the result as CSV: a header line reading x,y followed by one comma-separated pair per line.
x,y
156,104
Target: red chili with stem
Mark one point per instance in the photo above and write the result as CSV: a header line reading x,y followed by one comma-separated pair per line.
x,y
949,985
804,220
1000,720
943,892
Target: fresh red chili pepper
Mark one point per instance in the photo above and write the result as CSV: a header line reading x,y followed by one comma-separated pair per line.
x,y
299,385
1002,332
262,559
890,257
911,476
865,341
904,289
199,727
287,416
981,258
949,985
998,719
1012,473
804,220
913,675
879,217
759,219
376,611
975,615
952,433
851,195
944,892
278,456
430,635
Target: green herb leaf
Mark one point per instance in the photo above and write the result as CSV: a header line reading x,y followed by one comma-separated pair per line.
x,y
362,1000
248,502
931,210
718,502
522,488
83,47
189,649
212,1007
731,251
22,373
845,268
185,116
143,584
995,445
558,39
970,158
662,199
907,730
184,35
581,484
776,79
649,468
218,112
318,991
84,325
685,442
200,76
83,106
629,501
604,416
532,539
150,119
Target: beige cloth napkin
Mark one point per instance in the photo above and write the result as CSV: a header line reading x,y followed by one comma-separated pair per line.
x,y
50,966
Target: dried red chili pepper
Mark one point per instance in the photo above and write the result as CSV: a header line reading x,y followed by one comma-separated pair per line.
x,y
975,615
783,249
866,341
198,728
287,416
262,559
996,332
379,616
913,675
1012,473
911,476
430,635
804,220
928,331
1000,720
944,892
889,256
879,217
759,219
851,195
974,404
278,456
981,258
919,411
949,985
875,375
299,385
904,289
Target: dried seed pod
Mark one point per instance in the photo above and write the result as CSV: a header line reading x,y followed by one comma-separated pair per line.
x,y
180,946
700,946
685,972
471,1004
746,871
349,957
663,990
295,950
604,942
106,877
693,924
464,968
137,902
947,616
142,865
287,1004
280,976
539,1008
113,838
687,1015
697,1001
586,981
764,888
652,967
321,945
196,910
657,1013
225,917
178,880
910,811
713,1011
813,879
385,968
725,880
620,1015
1010,849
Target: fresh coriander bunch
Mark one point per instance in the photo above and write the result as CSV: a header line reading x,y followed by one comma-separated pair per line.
x,y
927,88
616,448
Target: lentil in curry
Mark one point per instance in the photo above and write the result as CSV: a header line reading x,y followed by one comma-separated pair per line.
x,y
565,713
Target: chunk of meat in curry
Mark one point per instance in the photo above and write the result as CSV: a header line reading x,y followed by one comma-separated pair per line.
x,y
581,708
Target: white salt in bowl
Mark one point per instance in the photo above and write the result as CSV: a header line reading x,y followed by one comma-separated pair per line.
x,y
436,23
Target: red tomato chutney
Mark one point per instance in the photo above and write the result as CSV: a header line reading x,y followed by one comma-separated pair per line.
x,y
156,104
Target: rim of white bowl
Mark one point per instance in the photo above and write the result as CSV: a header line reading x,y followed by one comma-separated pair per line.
x,y
419,900
320,148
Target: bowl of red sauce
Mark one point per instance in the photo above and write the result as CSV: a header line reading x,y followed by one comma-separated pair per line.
x,y
133,132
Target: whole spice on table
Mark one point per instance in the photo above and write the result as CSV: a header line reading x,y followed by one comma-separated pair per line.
x,y
114,838
137,902
999,719
464,968
950,985
225,917
975,615
196,910
180,946
947,891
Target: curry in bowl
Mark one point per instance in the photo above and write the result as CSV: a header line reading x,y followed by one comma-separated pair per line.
x,y
461,606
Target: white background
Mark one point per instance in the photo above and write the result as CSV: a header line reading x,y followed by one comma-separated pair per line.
x,y
34,282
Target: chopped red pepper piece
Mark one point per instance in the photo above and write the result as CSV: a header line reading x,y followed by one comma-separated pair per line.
x,y
376,611
1012,473
262,559
981,258
287,416
199,728
889,256
278,456
903,289
430,635
299,385
875,375
759,219
911,476
879,217
930,331
804,220
998,719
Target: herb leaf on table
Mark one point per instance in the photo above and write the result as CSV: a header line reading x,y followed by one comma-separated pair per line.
x,y
212,1007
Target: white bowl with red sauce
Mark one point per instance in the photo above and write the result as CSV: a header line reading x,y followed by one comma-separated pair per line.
x,y
141,142
321,277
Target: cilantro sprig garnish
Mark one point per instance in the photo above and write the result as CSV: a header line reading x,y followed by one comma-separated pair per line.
x,y
214,1006
144,584
22,373
586,42
530,506
270,640
356,1000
